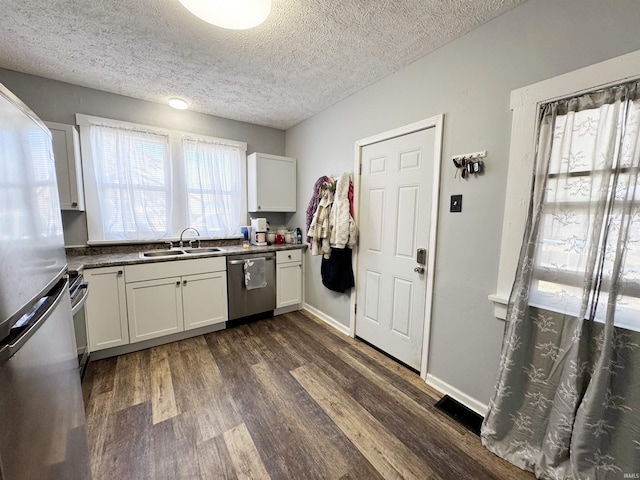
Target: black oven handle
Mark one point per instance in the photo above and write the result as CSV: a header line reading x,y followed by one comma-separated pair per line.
x,y
79,303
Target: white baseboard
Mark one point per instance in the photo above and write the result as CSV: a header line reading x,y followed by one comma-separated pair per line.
x,y
289,309
326,318
478,407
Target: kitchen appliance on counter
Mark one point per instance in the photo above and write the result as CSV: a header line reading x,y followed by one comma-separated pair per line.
x,y
259,229
43,432
244,302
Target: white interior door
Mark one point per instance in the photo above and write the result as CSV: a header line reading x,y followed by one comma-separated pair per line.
x,y
396,186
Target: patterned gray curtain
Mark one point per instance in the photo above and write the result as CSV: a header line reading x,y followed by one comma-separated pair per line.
x,y
567,400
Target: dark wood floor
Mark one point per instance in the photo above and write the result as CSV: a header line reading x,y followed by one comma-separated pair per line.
x,y
283,398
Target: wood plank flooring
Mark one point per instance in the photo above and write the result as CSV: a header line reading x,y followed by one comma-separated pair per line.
x,y
282,398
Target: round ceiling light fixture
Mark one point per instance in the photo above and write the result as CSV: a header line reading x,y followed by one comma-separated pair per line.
x,y
178,104
231,14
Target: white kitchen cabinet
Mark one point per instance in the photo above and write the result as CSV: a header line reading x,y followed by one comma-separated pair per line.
x,y
204,299
271,183
288,278
106,308
66,151
170,297
154,308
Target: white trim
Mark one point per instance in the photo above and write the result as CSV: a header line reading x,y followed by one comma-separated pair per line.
x,y
332,322
499,306
289,309
146,242
83,120
431,265
242,146
525,103
357,159
432,122
470,402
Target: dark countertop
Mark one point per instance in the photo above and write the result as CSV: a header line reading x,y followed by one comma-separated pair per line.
x,y
96,257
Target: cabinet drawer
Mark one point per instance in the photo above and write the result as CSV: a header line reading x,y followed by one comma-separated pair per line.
x,y
176,268
289,256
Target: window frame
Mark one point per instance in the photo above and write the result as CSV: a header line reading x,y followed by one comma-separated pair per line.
x,y
188,191
525,105
178,185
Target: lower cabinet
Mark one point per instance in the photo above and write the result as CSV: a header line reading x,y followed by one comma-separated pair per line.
x,y
140,302
288,278
154,308
171,297
198,291
106,308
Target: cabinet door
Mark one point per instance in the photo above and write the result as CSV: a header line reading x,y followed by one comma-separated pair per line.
x,y
155,308
66,151
106,308
204,299
289,284
272,183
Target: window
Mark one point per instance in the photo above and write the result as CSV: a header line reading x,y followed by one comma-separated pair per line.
x,y
525,104
214,185
589,227
133,183
148,184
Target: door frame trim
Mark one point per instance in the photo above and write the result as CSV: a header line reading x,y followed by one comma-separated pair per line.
x,y
436,122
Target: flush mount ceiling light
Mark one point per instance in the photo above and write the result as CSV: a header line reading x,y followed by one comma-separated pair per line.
x,y
231,14
178,104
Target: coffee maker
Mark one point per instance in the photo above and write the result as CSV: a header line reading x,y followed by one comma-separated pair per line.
x,y
258,233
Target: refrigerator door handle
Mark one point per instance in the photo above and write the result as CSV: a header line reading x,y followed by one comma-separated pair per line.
x,y
10,349
7,325
78,304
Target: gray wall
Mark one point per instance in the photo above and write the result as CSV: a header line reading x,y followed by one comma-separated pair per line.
x,y
59,102
469,80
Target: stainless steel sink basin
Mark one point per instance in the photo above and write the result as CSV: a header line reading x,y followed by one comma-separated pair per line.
x,y
184,251
193,251
162,253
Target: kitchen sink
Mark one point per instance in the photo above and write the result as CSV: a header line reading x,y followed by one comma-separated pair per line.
x,y
162,253
193,251
184,251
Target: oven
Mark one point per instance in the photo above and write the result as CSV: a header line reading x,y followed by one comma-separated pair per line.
x,y
79,291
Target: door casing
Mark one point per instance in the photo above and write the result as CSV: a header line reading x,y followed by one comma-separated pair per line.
x,y
432,122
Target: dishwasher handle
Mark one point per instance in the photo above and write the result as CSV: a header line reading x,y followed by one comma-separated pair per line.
x,y
241,262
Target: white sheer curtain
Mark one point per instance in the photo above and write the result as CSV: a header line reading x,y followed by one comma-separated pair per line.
x,y
214,186
566,404
133,181
586,208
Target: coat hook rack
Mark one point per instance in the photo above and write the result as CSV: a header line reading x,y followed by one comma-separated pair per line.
x,y
469,163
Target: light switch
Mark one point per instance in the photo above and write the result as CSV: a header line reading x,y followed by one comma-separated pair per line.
x,y
456,203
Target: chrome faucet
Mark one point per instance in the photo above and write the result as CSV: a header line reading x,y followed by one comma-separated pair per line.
x,y
189,228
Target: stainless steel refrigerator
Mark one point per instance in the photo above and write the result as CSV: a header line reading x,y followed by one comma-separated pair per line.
x,y
42,422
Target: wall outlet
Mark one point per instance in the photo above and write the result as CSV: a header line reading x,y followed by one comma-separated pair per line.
x,y
456,203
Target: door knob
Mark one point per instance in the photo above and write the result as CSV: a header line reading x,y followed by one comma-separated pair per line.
x,y
419,269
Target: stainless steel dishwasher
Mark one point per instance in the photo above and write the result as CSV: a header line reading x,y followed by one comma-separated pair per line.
x,y
243,302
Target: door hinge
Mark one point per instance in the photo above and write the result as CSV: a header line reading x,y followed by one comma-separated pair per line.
x,y
355,308
360,173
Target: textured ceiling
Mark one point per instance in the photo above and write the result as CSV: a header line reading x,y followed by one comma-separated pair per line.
x,y
308,55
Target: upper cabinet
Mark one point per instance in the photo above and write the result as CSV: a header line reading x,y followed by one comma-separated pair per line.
x,y
66,150
271,183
